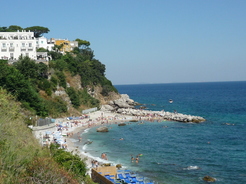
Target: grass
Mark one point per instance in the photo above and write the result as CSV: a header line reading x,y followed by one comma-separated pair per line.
x,y
22,159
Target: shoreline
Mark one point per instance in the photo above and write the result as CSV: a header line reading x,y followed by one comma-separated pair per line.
x,y
75,127
78,126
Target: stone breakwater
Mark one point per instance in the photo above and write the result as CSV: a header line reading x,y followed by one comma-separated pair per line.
x,y
126,106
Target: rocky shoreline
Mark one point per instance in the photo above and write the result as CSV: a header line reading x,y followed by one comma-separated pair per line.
x,y
126,106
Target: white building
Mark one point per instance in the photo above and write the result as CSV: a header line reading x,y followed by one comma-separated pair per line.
x,y
45,43
15,44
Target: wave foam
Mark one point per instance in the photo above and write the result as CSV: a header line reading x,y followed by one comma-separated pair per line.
x,y
191,168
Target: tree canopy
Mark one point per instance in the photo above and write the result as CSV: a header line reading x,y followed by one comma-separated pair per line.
x,y
82,43
38,30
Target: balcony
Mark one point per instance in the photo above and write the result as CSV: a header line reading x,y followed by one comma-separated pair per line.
x,y
3,49
30,49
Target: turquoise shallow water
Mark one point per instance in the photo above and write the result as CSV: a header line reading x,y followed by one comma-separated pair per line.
x,y
176,152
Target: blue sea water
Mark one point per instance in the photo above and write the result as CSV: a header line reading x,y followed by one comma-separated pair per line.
x,y
182,153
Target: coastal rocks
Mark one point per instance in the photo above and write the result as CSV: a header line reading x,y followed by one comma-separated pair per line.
x,y
126,106
107,108
102,129
209,179
123,102
161,114
121,124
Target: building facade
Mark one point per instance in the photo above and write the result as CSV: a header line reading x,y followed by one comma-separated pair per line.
x,y
15,44
45,43
68,46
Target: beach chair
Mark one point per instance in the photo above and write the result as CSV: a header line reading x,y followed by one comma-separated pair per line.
x,y
134,179
120,176
128,175
140,182
126,180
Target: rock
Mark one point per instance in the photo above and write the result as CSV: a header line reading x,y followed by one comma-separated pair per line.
x,y
102,129
121,124
209,179
107,108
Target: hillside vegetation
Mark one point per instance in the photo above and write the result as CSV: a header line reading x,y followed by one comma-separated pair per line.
x,y
35,84
23,160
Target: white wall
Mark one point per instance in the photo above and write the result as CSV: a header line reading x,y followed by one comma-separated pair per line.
x,y
13,44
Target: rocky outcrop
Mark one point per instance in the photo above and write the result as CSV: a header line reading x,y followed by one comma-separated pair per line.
x,y
123,102
126,106
121,124
102,129
209,179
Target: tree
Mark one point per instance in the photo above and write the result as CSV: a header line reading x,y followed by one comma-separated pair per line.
x,y
3,29
14,28
27,67
38,30
83,43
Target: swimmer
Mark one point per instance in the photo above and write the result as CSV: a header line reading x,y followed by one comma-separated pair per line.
x,y
132,158
137,159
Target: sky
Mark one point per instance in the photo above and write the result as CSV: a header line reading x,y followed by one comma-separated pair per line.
x,y
147,41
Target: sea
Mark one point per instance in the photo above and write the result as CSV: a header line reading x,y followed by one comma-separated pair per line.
x,y
180,153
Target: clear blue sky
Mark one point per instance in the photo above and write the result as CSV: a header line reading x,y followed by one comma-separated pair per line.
x,y
147,41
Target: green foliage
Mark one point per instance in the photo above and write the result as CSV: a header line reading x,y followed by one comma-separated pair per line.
x,y
42,70
56,106
55,55
12,28
74,97
27,67
23,160
41,49
82,43
15,82
62,79
88,100
38,30
53,82
71,162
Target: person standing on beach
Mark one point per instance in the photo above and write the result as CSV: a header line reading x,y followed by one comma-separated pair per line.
x,y
96,164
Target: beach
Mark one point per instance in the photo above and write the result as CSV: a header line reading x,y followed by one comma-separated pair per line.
x,y
71,130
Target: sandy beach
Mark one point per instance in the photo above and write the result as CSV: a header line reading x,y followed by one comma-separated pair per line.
x,y
71,130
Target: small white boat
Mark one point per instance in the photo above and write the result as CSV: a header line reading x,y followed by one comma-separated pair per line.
x,y
170,101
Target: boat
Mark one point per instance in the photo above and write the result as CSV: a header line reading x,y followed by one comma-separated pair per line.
x,y
170,101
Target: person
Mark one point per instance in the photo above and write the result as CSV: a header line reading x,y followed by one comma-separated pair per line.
x,y
137,159
132,158
105,156
92,163
96,164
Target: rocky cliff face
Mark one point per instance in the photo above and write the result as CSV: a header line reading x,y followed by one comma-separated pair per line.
x,y
94,91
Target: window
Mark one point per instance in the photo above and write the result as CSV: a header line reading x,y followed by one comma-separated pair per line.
x,y
30,44
12,55
11,44
23,44
4,44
